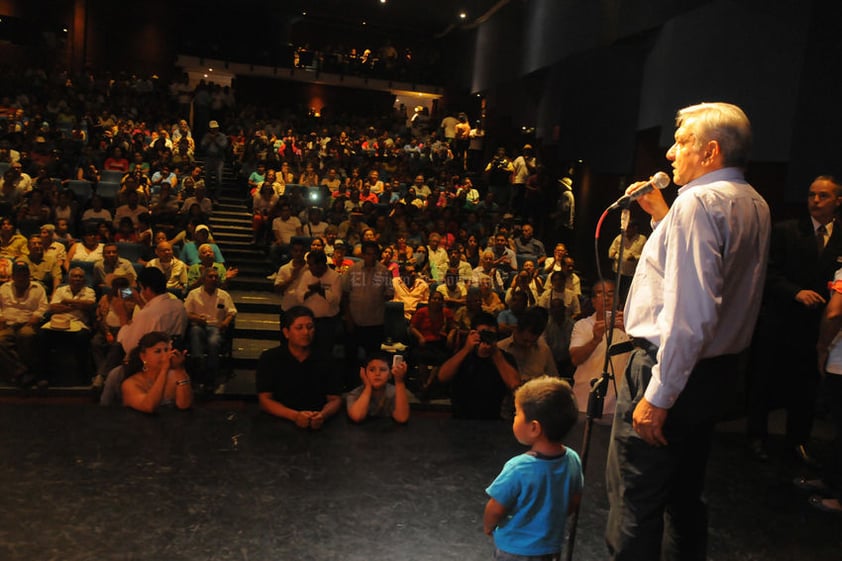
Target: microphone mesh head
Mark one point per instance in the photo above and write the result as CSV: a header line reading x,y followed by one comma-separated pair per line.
x,y
661,180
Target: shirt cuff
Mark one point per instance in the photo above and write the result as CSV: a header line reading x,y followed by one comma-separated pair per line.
x,y
657,393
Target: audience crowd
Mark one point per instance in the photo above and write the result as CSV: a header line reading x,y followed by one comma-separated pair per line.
x,y
105,181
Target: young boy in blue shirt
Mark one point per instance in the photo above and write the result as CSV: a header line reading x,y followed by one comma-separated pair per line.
x,y
533,495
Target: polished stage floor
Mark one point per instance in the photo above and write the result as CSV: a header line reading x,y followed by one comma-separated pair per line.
x,y
224,482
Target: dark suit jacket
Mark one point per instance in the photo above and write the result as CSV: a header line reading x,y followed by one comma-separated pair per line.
x,y
794,265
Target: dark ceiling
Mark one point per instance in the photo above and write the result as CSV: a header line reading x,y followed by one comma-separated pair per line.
x,y
415,19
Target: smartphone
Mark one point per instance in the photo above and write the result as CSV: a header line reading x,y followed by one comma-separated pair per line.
x,y
125,293
396,360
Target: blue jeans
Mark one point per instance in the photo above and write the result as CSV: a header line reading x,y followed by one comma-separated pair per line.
x,y
500,555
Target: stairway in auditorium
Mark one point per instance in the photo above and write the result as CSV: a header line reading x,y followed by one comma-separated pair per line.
x,y
257,324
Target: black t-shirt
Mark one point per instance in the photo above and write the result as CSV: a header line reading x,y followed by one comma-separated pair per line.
x,y
303,386
477,390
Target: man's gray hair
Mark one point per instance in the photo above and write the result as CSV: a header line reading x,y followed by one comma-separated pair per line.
x,y
725,123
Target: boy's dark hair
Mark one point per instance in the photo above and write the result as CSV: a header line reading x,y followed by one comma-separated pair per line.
x,y
551,402
377,355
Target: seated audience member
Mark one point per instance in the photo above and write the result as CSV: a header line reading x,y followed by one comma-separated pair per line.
x,y
174,270
491,302
284,228
453,289
339,261
53,246
211,311
480,374
508,318
42,268
528,247
487,268
572,281
190,250
464,316
315,226
23,303
294,384
436,257
558,290
156,376
104,341
72,308
410,289
110,265
430,327
531,353
89,249
505,259
556,262
206,260
159,311
96,213
588,347
524,282
126,231
376,397
199,197
12,243
557,336
132,208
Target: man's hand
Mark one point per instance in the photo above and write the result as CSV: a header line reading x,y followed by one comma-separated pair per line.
x,y
302,419
648,421
652,202
810,298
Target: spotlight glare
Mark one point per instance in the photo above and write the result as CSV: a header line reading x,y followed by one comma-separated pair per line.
x,y
463,15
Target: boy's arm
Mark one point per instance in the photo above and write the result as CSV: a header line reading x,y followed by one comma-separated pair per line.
x,y
575,500
358,410
494,513
401,412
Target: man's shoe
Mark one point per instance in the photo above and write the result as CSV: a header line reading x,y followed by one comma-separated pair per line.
x,y
815,485
825,505
758,450
800,453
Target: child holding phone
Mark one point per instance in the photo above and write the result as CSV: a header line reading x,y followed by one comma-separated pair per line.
x,y
376,397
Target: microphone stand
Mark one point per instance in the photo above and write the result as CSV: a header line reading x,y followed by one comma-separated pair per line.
x,y
599,386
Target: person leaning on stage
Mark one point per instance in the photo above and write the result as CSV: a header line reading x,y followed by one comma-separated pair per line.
x,y
156,375
691,310
293,383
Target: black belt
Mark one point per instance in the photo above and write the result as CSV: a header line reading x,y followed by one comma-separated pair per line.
x,y
645,345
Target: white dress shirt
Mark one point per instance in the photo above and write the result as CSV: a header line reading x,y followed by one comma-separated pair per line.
x,y
696,291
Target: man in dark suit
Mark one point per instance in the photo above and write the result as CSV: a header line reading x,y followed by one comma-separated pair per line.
x,y
803,257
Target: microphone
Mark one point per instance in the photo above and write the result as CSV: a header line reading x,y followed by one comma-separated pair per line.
x,y
659,181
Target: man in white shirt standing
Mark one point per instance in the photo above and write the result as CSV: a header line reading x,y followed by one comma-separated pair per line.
x,y
691,312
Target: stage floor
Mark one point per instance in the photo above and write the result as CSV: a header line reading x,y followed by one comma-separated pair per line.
x,y
224,482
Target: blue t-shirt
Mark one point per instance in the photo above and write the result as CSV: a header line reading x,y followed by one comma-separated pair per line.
x,y
536,494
